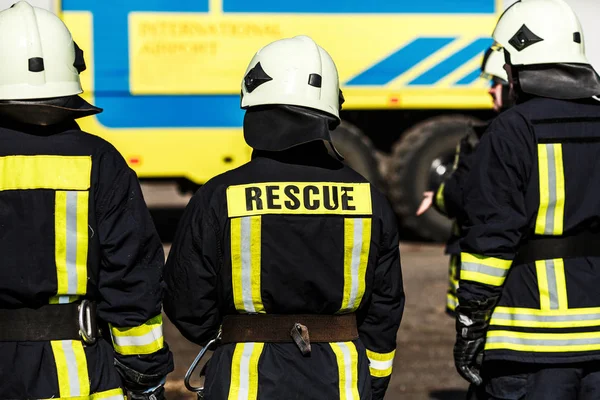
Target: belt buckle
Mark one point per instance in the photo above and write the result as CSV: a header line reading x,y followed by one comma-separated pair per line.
x,y
87,322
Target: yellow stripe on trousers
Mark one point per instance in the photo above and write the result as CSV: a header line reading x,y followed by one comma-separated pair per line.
x,y
71,244
550,218
347,361
246,264
357,244
71,368
552,284
244,371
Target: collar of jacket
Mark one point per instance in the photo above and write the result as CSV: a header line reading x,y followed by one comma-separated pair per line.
x,y
557,81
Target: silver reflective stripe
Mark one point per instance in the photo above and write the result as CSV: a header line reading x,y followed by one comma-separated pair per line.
x,y
551,190
355,264
542,342
546,318
142,340
247,265
552,285
67,346
64,299
484,269
118,397
245,371
71,242
347,369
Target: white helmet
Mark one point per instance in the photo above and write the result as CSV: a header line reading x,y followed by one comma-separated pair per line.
x,y
493,64
37,55
294,71
541,32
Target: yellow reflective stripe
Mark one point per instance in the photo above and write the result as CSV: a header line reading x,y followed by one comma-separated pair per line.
x,y
561,284
71,243
380,364
451,301
357,244
533,318
550,218
144,339
236,263
542,342
439,197
559,213
63,299
347,361
255,263
244,371
552,284
60,242
113,394
540,269
45,172
540,223
71,368
482,269
82,200
483,260
246,264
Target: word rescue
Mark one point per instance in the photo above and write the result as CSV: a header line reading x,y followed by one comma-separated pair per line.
x,y
299,198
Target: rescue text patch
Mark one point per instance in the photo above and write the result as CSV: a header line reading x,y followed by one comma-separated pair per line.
x,y
299,198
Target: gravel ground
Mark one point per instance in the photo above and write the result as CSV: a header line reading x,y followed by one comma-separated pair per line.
x,y
423,368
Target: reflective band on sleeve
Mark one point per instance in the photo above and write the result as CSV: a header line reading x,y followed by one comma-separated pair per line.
x,y
143,339
71,244
451,301
532,318
380,364
45,172
244,371
347,361
439,198
542,342
113,394
488,270
552,284
71,368
246,264
357,244
550,217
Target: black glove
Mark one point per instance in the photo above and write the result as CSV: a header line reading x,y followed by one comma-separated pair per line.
x,y
472,321
157,393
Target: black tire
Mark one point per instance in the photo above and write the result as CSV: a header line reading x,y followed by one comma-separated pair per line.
x,y
412,171
358,152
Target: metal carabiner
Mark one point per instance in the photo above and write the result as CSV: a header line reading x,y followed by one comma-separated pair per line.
x,y
87,322
199,390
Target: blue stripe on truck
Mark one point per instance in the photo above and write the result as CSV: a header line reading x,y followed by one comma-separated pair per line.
x,y
397,63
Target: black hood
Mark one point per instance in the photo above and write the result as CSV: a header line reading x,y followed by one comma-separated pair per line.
x,y
47,111
557,81
280,127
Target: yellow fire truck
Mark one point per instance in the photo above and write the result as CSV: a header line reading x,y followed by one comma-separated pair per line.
x,y
168,73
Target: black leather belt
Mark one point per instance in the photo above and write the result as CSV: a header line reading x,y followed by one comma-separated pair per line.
x,y
75,321
584,244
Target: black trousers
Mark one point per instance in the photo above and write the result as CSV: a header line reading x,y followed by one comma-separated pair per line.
x,y
520,381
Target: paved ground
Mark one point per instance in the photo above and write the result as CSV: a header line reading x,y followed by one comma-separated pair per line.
x,y
423,368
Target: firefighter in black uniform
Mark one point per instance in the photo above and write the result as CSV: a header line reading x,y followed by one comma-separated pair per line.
x,y
294,254
447,198
80,280
530,272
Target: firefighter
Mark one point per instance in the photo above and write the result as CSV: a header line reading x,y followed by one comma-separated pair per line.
x,y
447,198
528,295
80,280
294,254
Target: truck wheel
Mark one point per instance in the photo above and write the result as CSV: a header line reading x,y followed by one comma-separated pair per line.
x,y
420,160
358,152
